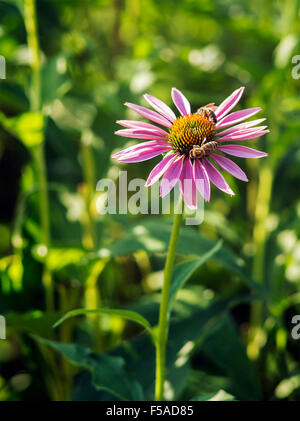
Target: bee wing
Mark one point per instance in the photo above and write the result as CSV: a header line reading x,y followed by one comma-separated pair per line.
x,y
211,104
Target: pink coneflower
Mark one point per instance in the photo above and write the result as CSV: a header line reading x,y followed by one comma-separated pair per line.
x,y
192,143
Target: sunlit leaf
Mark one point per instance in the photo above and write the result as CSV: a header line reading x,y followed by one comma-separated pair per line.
x,y
221,395
183,272
28,127
125,314
58,258
287,386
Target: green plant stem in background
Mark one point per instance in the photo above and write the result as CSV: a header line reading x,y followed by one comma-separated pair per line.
x,y
33,44
260,234
89,235
88,166
260,237
163,327
38,151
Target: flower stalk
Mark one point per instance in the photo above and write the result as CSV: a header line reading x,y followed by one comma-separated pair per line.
x,y
163,326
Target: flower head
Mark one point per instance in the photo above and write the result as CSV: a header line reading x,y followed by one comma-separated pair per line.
x,y
192,143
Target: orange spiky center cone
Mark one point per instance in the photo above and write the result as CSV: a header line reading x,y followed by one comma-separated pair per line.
x,y
189,130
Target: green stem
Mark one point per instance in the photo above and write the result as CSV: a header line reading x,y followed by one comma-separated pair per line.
x,y
45,221
260,234
260,237
89,237
33,44
38,151
163,327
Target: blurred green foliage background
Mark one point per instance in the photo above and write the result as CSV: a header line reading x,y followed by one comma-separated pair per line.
x,y
231,327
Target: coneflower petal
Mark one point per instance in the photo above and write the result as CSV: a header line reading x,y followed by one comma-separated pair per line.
x,y
135,124
236,117
181,102
201,180
241,126
151,115
229,166
187,185
243,135
142,134
135,148
171,176
160,169
241,151
160,107
230,102
143,155
216,177
140,150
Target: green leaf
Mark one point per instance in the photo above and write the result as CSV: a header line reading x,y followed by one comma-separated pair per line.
x,y
125,314
108,373
19,5
221,395
55,80
287,386
223,347
28,127
59,258
34,322
141,358
205,383
154,236
203,325
184,271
